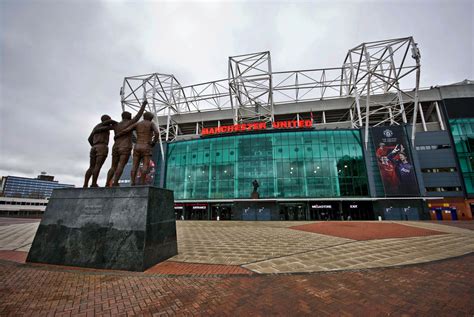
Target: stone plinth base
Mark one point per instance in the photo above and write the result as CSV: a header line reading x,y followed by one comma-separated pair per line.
x,y
129,228
255,195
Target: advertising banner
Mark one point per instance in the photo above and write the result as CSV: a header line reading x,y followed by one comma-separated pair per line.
x,y
394,161
150,177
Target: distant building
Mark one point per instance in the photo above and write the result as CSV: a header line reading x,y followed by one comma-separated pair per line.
x,y
17,207
23,187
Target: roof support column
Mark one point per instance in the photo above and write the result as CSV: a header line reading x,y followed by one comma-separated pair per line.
x,y
367,106
359,114
352,118
440,117
416,55
422,115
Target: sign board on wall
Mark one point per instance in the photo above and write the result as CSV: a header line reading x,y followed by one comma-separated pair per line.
x,y
324,205
321,206
256,126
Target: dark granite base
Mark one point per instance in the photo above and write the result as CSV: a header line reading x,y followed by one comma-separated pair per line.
x,y
130,228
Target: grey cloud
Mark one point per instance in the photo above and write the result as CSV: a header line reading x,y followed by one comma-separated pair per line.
x,y
62,63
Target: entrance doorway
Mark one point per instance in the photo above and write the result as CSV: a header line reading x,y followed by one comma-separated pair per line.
x,y
454,214
445,213
293,211
195,212
325,211
224,212
358,210
401,213
179,212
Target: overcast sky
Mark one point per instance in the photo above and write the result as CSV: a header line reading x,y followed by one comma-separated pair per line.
x,y
62,62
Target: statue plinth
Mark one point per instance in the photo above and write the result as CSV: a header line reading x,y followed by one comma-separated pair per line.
x,y
120,228
255,195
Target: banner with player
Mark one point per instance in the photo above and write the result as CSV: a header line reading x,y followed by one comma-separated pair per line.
x,y
394,161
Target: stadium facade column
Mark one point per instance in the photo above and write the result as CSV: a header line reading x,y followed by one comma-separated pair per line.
x,y
369,161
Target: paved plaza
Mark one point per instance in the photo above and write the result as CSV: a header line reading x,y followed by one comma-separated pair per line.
x,y
260,268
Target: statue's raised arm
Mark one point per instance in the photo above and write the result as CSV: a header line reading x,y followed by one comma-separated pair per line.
x,y
139,113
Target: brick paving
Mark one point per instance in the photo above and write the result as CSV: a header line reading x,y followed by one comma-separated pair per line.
x,y
18,236
215,273
459,224
164,268
15,256
5,221
237,242
443,226
368,254
363,230
179,268
443,288
273,247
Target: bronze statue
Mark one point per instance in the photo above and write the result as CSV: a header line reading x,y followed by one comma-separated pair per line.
x,y
122,146
147,136
99,141
255,194
255,185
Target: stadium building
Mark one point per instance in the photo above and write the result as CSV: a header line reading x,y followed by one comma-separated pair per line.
x,y
359,141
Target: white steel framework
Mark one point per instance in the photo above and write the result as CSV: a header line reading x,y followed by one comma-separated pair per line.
x,y
252,89
378,68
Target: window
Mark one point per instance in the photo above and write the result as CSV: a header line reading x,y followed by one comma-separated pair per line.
x,y
443,189
463,136
439,170
281,162
432,147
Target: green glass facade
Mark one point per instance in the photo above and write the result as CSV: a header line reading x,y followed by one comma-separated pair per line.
x,y
463,135
304,164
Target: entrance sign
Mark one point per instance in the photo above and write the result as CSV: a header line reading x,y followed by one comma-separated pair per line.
x,y
256,126
321,206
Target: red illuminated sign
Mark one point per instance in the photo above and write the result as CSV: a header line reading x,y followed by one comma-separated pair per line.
x,y
243,127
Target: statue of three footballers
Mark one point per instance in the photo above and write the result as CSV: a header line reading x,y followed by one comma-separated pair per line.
x,y
147,136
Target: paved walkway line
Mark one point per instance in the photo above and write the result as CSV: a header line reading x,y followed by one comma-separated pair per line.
x,y
17,236
436,226
370,254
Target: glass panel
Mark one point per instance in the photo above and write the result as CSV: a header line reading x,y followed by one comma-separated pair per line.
x,y
287,165
463,135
